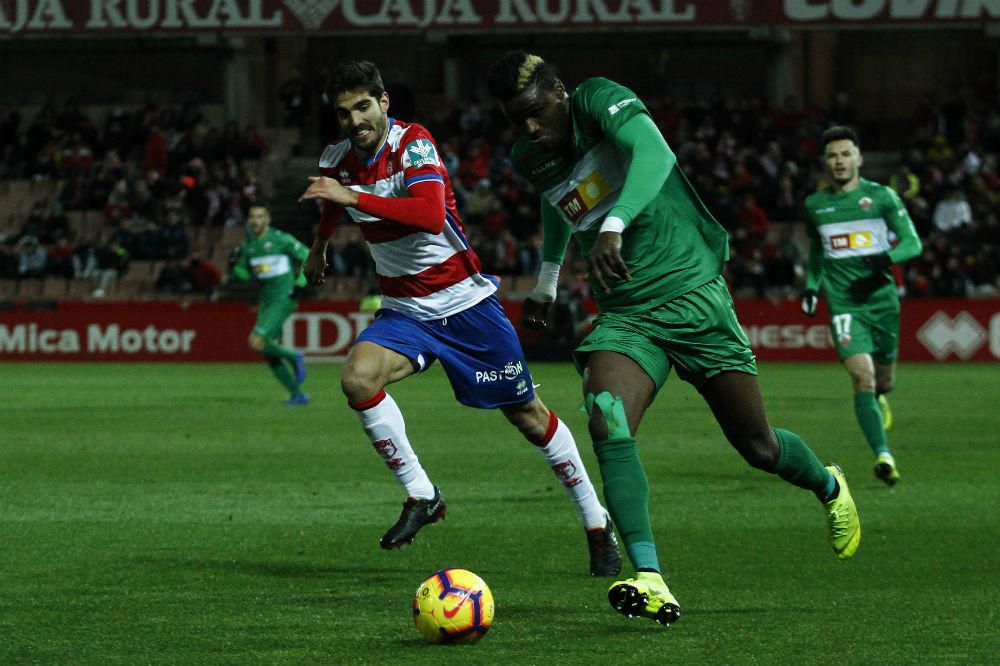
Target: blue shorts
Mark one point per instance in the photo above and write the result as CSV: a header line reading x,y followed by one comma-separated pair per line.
x,y
478,349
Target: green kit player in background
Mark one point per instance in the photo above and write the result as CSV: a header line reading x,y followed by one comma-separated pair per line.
x,y
849,264
274,259
655,256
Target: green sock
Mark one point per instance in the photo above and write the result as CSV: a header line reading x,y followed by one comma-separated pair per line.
x,y
870,419
626,492
271,349
798,465
283,374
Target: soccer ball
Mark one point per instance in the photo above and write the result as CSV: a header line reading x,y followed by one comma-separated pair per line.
x,y
453,606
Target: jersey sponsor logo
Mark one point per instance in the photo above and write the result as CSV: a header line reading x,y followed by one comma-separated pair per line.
x,y
830,209
511,371
865,203
591,191
270,266
345,177
851,241
618,106
421,153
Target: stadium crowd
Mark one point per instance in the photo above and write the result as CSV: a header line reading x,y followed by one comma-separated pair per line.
x,y
155,174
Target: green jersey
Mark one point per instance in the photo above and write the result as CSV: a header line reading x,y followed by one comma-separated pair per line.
x,y
846,227
269,260
671,243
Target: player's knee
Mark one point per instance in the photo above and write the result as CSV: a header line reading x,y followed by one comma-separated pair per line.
x,y
357,384
760,450
863,381
597,427
256,343
531,420
607,417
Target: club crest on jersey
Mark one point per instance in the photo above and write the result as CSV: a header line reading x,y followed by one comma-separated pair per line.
x,y
865,203
421,153
844,339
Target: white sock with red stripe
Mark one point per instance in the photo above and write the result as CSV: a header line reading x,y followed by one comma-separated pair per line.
x,y
559,450
383,423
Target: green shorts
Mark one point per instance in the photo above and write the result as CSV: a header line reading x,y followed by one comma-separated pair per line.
x,y
872,328
271,317
697,333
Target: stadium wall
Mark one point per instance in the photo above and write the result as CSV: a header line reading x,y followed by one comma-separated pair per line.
x,y
932,330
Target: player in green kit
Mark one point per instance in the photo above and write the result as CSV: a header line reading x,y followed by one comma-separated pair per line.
x,y
655,256
849,264
269,256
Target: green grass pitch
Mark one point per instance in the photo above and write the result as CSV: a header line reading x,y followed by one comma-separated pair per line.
x,y
180,514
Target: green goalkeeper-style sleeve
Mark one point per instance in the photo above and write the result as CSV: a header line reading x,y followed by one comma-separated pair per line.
x,y
241,272
652,162
555,234
899,221
814,269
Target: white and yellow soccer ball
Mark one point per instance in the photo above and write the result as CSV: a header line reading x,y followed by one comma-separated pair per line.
x,y
453,606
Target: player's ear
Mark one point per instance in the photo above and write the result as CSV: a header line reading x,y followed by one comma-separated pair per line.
x,y
384,100
861,159
560,89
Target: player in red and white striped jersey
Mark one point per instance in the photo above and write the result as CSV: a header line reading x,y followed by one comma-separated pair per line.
x,y
436,305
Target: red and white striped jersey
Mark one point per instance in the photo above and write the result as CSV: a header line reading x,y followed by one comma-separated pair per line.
x,y
421,274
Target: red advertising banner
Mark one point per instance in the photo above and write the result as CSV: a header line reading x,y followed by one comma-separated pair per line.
x,y
187,16
931,330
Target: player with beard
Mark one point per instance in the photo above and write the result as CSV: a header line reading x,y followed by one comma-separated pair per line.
x,y
436,305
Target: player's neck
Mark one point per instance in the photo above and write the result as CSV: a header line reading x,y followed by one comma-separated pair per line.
x,y
849,186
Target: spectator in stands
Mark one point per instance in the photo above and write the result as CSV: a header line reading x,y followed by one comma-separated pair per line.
x,y
753,218
20,157
172,240
172,279
31,258
953,211
951,280
60,258
112,263
905,183
204,276
156,151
